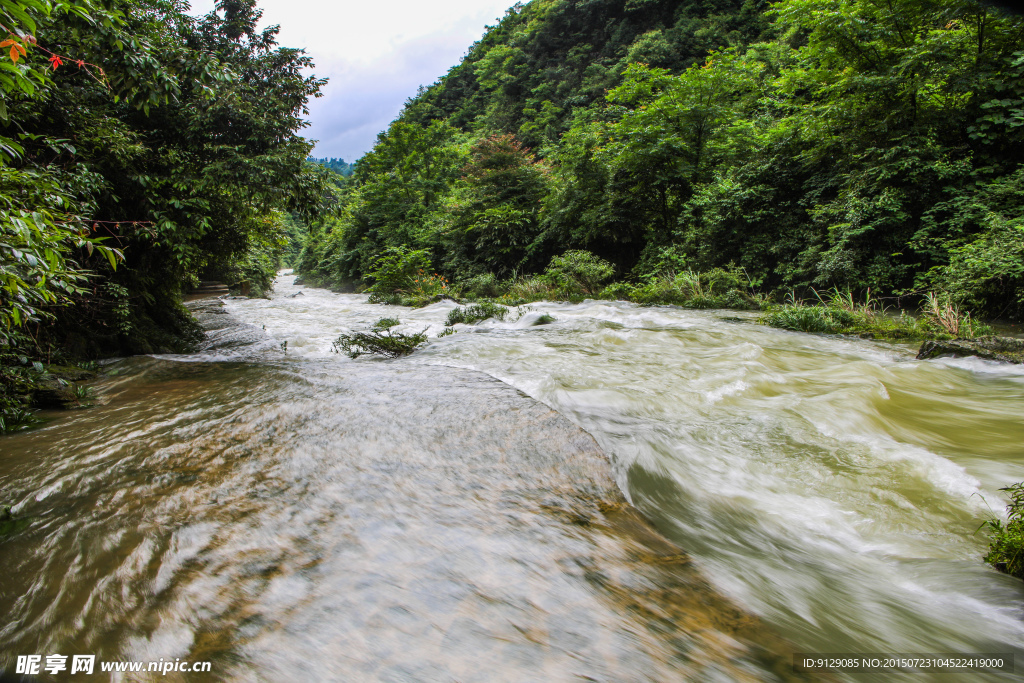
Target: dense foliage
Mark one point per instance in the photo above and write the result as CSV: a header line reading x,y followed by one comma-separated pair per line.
x,y
1006,540
806,144
140,149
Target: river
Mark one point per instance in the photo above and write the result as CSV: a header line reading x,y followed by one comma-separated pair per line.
x,y
460,514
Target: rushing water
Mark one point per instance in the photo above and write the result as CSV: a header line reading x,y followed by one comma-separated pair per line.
x,y
288,513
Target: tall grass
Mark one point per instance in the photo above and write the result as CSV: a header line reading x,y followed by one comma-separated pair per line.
x,y
947,316
838,312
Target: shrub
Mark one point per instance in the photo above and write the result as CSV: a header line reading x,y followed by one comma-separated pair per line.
x,y
483,286
401,277
578,272
527,289
391,299
397,269
618,291
476,313
380,340
1006,542
987,273
716,288
809,318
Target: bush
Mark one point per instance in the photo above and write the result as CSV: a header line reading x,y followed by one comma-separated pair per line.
x,y
401,277
988,273
801,317
617,291
476,313
578,272
528,289
716,288
379,340
483,286
397,269
391,299
1006,543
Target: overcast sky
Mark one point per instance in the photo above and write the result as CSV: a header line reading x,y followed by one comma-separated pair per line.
x,y
376,53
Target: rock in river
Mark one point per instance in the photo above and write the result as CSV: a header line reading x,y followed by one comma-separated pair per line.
x,y
1006,349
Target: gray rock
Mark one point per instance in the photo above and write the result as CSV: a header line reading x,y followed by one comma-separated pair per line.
x,y
1005,349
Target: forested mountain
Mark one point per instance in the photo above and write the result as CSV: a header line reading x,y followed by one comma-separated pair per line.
x,y
339,166
808,143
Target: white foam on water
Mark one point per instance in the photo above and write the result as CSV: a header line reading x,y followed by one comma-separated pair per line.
x,y
806,473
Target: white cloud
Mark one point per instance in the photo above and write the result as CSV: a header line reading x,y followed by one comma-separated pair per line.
x,y
375,54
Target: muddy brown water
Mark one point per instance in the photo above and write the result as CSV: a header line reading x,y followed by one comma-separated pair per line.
x,y
626,494
391,522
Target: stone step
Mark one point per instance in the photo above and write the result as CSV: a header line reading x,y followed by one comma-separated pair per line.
x,y
207,289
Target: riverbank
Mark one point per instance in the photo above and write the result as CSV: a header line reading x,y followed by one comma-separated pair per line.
x,y
401,278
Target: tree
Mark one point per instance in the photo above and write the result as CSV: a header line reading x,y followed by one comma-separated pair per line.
x,y
188,157
43,234
499,222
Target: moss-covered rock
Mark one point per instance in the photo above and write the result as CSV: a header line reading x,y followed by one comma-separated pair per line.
x,y
57,387
26,388
1005,349
9,524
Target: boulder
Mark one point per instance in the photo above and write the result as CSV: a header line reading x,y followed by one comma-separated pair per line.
x,y
1005,349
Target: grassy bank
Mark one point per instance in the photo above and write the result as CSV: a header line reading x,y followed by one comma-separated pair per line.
x,y
403,277
838,312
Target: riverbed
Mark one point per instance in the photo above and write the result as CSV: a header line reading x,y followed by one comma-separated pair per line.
x,y
625,493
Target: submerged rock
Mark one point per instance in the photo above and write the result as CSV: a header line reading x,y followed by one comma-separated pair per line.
x,y
1005,349
56,387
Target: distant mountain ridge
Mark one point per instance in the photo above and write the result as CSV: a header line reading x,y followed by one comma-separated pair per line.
x,y
339,166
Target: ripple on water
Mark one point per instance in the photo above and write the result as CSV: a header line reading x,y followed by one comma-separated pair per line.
x,y
831,486
382,522
837,475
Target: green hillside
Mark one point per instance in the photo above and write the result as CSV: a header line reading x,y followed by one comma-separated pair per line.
x,y
803,144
